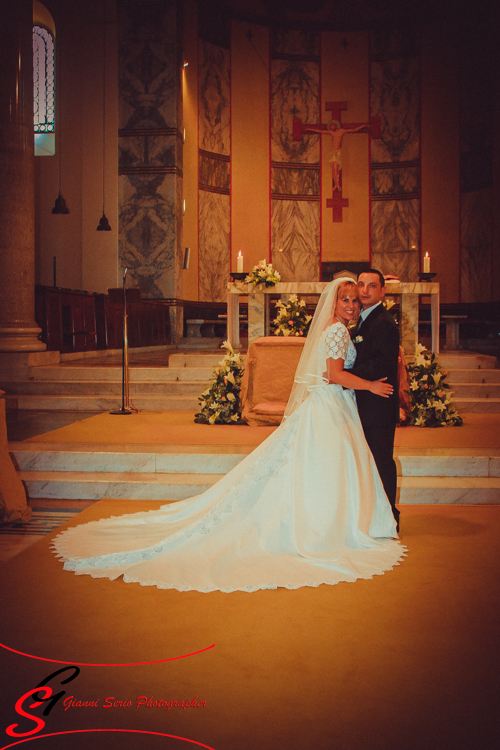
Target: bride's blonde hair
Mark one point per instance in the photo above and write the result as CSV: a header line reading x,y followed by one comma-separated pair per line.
x,y
340,292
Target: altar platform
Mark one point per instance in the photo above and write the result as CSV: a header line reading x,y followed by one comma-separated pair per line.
x,y
166,456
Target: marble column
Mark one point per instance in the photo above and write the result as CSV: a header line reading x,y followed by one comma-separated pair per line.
x,y
18,330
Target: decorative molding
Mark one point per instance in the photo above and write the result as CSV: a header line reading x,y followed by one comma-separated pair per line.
x,y
395,197
132,132
282,197
293,165
150,170
213,155
213,189
395,164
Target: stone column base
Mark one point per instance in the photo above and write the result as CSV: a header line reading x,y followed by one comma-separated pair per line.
x,y
16,365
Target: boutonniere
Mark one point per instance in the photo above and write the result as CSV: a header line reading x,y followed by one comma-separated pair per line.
x,y
358,339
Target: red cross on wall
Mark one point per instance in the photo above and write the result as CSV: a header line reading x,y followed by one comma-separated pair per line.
x,y
336,129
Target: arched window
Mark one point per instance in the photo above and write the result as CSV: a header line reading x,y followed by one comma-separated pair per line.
x,y
43,81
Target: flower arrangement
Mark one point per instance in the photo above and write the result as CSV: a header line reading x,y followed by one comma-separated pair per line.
x,y
220,402
430,397
292,319
263,273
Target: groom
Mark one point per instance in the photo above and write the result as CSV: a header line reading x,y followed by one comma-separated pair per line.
x,y
376,339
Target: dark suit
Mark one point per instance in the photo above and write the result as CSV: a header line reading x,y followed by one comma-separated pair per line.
x,y
377,357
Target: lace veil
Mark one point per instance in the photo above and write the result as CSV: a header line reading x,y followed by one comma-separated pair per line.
x,y
311,365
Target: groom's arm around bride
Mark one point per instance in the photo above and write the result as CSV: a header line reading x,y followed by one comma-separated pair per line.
x,y
376,339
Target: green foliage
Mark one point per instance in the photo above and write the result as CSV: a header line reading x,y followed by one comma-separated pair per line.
x,y
220,402
430,396
292,319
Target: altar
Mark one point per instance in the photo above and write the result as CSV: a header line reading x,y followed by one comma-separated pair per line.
x,y
258,308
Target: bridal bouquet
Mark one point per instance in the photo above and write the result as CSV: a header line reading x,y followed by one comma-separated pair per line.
x,y
263,273
220,402
430,397
292,319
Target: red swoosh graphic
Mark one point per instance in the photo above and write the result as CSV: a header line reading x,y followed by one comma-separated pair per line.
x,y
135,731
83,664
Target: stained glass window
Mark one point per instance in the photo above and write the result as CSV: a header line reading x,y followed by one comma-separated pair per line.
x,y
43,91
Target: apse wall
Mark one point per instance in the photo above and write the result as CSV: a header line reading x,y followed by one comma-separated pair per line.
x,y
217,166
269,193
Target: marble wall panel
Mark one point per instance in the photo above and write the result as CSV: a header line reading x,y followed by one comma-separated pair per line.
x,y
149,91
476,239
395,97
286,181
147,151
295,42
295,239
147,69
396,181
214,172
214,246
214,98
148,238
294,93
395,237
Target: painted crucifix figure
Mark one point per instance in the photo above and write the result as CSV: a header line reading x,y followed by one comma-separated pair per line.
x,y
337,130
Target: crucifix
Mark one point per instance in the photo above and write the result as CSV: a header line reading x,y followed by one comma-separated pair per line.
x,y
337,130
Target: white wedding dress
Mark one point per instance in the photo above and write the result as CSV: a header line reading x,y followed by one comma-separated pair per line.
x,y
306,507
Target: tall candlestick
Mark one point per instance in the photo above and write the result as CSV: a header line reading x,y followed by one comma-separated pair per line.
x,y
427,263
239,263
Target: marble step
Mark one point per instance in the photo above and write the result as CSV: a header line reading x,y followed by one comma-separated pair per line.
x,y
473,376
168,487
103,403
86,485
201,373
159,459
475,390
477,405
43,456
184,359
467,361
104,387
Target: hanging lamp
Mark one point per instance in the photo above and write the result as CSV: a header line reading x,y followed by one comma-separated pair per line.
x,y
60,206
103,225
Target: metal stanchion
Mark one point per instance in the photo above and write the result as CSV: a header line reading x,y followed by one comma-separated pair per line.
x,y
126,407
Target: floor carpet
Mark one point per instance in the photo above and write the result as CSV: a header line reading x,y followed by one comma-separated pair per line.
x,y
178,428
405,661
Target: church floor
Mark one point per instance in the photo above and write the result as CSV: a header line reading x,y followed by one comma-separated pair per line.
x,y
405,661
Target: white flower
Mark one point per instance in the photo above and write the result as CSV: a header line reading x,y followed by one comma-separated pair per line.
x,y
230,377
231,397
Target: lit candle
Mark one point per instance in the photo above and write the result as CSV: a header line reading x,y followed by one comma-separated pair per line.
x,y
427,263
239,263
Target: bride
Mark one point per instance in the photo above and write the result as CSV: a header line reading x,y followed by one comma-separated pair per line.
x,y
306,507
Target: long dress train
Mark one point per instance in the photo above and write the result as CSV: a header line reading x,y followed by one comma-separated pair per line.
x,y
306,507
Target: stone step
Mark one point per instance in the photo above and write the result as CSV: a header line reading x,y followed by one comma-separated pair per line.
x,y
122,485
473,376
104,388
42,456
184,359
477,405
475,390
169,487
111,458
467,361
449,490
136,374
104,403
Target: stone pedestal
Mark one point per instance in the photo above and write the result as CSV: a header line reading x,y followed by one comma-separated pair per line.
x,y
18,330
13,505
